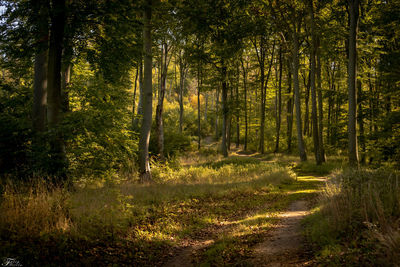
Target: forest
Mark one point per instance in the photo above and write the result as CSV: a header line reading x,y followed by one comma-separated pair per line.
x,y
200,132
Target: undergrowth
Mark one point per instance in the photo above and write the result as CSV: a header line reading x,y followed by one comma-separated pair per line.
x,y
123,223
358,220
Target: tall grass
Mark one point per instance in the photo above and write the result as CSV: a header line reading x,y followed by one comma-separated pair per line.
x,y
110,213
360,214
33,210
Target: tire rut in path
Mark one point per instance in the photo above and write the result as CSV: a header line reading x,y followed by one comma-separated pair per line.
x,y
284,244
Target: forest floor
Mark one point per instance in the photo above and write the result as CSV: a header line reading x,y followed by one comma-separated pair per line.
x,y
206,210
281,244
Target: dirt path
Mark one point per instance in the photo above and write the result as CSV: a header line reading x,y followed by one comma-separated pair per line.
x,y
186,254
284,245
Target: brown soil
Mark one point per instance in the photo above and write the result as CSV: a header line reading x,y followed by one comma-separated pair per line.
x,y
284,245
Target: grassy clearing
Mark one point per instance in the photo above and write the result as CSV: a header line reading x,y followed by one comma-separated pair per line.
x,y
232,200
357,221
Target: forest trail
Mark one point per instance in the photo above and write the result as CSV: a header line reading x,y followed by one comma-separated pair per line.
x,y
281,245
284,245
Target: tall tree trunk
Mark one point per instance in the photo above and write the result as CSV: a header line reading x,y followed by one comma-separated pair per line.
x,y
205,106
160,104
216,114
245,104
40,90
225,111
361,121
134,96
40,73
237,108
295,56
320,109
230,115
66,72
289,109
57,147
140,104
279,103
144,160
306,129
182,71
315,130
198,106
264,84
260,51
352,69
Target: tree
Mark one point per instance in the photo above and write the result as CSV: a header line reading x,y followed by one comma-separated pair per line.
x,y
57,146
353,9
295,65
144,160
315,128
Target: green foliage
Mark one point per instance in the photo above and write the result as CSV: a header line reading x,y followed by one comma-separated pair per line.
x,y
98,131
15,125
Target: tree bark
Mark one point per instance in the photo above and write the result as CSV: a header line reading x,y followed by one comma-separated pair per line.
x,y
134,97
315,130
40,72
360,118
260,52
40,91
144,160
182,70
289,109
225,111
245,104
352,70
216,114
160,103
57,148
140,104
237,108
279,103
320,108
295,57
198,106
307,104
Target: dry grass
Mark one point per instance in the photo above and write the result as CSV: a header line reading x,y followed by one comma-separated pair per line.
x,y
35,210
362,210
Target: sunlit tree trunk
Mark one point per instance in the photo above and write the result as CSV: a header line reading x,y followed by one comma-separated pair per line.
x,y
352,70
314,117
225,111
289,109
198,106
295,57
144,160
182,72
245,104
134,96
160,103
279,103
66,73
320,109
